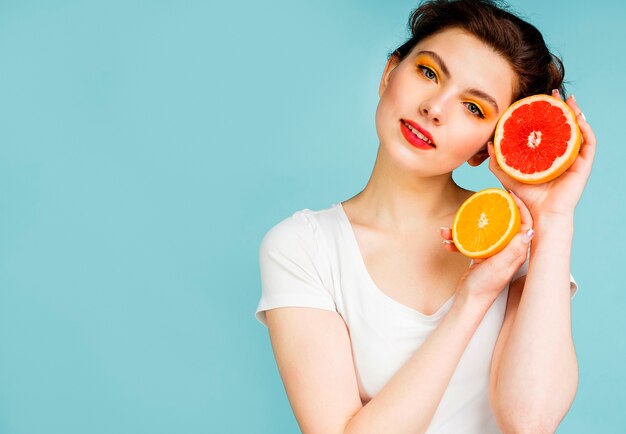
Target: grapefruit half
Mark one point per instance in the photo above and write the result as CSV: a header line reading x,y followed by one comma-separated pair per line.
x,y
537,139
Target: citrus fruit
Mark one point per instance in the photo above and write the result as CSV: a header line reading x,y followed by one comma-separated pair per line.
x,y
485,223
537,138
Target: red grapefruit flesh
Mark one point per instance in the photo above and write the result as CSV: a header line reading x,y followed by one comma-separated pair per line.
x,y
537,139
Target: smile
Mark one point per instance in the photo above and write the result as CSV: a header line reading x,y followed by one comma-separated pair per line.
x,y
414,136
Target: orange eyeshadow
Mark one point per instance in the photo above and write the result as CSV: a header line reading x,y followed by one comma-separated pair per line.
x,y
485,108
425,60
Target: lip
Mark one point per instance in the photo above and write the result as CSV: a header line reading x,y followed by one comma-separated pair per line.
x,y
412,138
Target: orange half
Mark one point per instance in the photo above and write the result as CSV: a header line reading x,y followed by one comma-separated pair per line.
x,y
485,223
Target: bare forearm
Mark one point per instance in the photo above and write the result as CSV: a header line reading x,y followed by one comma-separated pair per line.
x,y
409,400
538,373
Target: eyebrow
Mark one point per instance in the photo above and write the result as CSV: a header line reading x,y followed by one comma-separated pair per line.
x,y
472,91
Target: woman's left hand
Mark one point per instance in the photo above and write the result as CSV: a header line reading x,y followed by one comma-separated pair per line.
x,y
561,195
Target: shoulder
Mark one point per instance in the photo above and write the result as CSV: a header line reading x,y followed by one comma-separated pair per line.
x,y
303,228
292,267
292,232
297,222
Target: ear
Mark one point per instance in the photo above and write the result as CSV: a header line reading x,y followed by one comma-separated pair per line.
x,y
478,157
393,61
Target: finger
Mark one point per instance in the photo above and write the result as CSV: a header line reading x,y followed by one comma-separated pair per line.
x,y
509,259
448,242
588,144
588,148
584,161
449,246
556,94
573,104
580,116
526,218
445,232
476,261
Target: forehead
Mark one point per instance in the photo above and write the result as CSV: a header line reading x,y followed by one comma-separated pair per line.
x,y
471,62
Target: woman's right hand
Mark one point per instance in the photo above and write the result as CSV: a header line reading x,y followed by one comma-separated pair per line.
x,y
486,278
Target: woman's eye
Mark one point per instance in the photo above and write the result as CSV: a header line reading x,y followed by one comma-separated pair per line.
x,y
475,110
428,73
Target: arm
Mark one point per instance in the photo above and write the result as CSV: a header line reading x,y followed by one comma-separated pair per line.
x,y
534,367
409,400
313,353
535,372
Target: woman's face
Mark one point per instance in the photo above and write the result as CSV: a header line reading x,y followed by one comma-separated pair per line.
x,y
452,88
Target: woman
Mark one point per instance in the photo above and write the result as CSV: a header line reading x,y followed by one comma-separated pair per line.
x,y
376,327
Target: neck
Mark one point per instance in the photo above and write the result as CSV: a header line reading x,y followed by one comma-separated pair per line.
x,y
399,199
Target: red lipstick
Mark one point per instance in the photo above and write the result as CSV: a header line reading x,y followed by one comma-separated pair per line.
x,y
413,138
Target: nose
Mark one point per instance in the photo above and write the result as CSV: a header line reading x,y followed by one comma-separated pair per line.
x,y
432,108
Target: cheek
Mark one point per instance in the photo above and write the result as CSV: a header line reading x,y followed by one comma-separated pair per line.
x,y
387,109
389,98
383,121
471,140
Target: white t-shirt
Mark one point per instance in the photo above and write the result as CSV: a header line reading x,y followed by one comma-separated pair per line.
x,y
312,259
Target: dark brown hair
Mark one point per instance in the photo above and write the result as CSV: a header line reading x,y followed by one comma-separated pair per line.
x,y
538,70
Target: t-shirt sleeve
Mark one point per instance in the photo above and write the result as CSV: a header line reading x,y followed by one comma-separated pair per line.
x,y
289,260
523,270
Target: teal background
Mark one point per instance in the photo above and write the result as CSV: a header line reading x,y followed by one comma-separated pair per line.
x,y
147,146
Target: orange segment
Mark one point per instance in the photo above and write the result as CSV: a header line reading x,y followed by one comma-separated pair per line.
x,y
485,223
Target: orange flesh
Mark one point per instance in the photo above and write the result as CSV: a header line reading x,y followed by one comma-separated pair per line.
x,y
493,214
485,223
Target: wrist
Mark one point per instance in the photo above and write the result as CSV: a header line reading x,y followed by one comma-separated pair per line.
x,y
552,230
473,305
553,223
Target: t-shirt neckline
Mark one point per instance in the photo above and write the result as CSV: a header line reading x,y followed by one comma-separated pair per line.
x,y
356,253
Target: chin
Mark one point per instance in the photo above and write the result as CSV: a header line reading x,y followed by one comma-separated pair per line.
x,y
402,157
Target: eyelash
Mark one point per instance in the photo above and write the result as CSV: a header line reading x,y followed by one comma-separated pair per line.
x,y
424,69
479,113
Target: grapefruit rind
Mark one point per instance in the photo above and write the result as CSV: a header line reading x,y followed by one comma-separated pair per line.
x,y
560,164
512,228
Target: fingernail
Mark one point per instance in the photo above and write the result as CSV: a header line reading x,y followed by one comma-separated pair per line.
x,y
573,97
528,235
443,228
447,241
555,91
582,115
